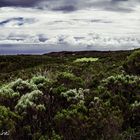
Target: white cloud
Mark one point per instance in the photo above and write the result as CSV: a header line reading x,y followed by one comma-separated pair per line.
x,y
89,28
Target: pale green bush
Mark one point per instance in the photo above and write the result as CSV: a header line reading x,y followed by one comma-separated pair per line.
x,y
74,95
38,80
22,86
29,100
41,82
7,92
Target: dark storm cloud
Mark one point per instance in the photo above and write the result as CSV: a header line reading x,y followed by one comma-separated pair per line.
x,y
119,0
22,3
65,8
19,21
71,5
56,5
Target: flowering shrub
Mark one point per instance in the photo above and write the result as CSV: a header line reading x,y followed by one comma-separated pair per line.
x,y
53,110
22,86
74,95
30,100
8,97
40,81
7,92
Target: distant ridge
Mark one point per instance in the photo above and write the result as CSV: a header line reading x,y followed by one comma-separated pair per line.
x,y
87,53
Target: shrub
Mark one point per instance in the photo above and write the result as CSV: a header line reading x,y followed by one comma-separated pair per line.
x,y
22,87
7,121
104,121
122,85
30,100
41,82
61,109
74,95
8,97
122,91
70,122
38,80
135,115
55,136
69,80
132,64
8,93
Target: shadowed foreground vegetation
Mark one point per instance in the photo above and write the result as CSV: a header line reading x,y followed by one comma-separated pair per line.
x,y
70,96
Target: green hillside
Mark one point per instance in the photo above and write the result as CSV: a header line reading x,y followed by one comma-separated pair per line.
x,y
70,96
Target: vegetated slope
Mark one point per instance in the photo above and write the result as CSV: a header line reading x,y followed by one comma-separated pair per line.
x,y
16,66
54,97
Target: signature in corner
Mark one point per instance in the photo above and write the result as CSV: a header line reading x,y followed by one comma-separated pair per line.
x,y
4,133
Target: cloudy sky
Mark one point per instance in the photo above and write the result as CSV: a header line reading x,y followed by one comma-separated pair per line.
x,y
94,24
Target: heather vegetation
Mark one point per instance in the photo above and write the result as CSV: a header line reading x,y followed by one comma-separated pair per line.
x,y
70,96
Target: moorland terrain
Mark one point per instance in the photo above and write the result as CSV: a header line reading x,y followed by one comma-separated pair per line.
x,y
70,96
